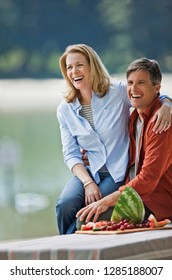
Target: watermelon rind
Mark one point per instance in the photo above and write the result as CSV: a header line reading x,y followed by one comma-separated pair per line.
x,y
130,206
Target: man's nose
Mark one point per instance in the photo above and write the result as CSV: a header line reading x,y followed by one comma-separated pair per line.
x,y
134,86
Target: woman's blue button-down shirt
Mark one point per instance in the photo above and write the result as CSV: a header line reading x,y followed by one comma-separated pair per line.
x,y
108,143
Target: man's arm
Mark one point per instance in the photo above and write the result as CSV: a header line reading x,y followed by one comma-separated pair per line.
x,y
157,159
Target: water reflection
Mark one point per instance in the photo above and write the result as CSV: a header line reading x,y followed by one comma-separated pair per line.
x,y
10,158
32,174
30,202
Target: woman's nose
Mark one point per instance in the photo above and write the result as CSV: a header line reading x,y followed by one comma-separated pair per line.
x,y
75,69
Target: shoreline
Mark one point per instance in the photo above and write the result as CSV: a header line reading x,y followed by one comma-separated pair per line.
x,y
20,95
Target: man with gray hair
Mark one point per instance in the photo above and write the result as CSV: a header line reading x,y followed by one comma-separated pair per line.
x,y
150,166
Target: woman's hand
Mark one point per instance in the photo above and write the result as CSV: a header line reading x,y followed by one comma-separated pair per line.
x,y
162,118
92,193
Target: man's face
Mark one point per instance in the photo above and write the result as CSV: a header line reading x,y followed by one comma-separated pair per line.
x,y
140,89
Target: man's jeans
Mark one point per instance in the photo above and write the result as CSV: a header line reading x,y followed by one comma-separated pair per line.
x,y
72,199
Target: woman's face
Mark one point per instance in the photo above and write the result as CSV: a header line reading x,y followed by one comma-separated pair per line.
x,y
78,71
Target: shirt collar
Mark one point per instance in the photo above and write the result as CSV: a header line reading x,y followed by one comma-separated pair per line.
x,y
148,112
77,105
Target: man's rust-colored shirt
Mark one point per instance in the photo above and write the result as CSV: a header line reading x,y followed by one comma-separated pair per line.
x,y
153,180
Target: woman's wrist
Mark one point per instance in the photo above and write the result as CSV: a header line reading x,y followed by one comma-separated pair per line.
x,y
88,182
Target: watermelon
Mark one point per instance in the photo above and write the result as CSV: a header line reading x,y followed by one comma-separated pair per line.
x,y
164,222
101,225
129,206
88,226
154,223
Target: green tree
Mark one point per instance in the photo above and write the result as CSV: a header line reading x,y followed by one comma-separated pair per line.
x,y
34,33
138,28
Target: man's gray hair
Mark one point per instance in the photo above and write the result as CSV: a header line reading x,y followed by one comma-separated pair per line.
x,y
149,65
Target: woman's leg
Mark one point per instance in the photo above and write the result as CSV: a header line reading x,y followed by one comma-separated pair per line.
x,y
71,200
107,185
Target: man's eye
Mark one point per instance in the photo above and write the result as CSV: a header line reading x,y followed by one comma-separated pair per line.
x,y
129,83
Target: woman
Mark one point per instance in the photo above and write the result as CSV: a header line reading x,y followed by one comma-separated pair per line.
x,y
93,112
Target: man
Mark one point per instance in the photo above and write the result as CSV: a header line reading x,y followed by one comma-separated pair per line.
x,y
150,165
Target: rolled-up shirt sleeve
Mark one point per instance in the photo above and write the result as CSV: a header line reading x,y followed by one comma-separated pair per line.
x,y
70,147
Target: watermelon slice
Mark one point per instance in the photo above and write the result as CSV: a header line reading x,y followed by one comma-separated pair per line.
x,y
88,226
101,225
154,223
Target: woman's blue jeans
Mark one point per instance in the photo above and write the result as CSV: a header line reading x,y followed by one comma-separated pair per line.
x,y
72,199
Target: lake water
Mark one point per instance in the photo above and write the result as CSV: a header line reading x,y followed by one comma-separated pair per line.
x,y
32,171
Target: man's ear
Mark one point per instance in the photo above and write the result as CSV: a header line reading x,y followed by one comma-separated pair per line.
x,y
157,88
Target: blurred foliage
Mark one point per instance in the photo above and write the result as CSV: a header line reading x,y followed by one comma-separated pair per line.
x,y
34,33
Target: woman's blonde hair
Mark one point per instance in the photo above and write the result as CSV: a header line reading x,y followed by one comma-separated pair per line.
x,y
99,75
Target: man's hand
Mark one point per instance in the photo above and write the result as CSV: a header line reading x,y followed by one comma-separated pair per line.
x,y
163,119
92,211
84,157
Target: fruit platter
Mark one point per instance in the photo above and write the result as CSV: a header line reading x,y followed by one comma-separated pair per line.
x,y
127,217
